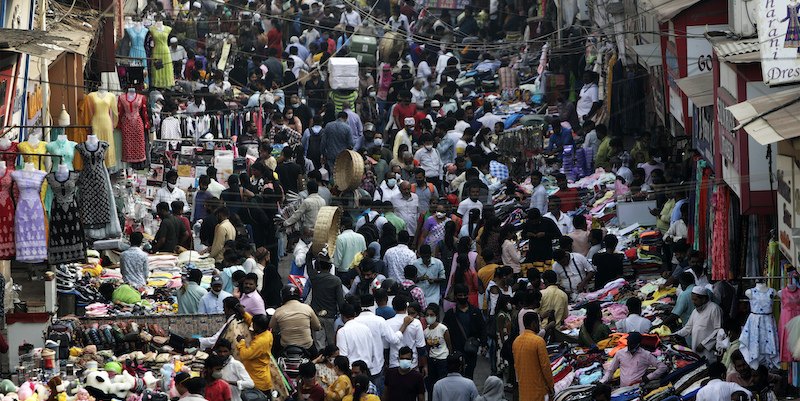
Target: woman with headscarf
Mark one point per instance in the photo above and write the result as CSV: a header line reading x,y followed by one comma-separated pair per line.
x,y
273,283
492,390
380,265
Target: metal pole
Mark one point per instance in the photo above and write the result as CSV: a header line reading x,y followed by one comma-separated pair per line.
x,y
558,24
45,77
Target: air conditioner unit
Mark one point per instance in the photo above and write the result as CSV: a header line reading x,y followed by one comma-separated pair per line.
x,y
743,16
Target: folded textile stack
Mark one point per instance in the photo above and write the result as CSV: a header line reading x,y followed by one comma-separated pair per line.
x,y
575,393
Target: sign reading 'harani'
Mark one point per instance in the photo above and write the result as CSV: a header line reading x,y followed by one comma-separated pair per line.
x,y
779,34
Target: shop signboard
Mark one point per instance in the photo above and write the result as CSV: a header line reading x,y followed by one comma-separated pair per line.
x,y
778,31
703,127
787,191
449,4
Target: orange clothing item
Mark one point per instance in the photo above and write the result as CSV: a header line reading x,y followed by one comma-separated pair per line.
x,y
532,363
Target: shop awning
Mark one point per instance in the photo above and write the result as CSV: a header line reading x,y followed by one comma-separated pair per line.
x,y
772,119
698,88
736,51
649,54
664,10
73,33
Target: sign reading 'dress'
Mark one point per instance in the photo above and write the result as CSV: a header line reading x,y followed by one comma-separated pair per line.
x,y
779,34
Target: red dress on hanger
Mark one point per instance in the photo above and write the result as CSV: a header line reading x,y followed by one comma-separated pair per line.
x,y
133,123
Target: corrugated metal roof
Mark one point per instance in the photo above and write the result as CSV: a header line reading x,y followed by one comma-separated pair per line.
x,y
736,51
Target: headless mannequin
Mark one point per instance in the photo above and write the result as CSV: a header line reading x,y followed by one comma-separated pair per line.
x,y
131,95
2,168
5,143
791,287
33,141
138,25
29,167
62,138
92,142
160,26
62,174
760,287
101,92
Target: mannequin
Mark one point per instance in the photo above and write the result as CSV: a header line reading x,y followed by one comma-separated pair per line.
x,y
31,230
133,123
66,239
65,148
759,338
7,146
103,111
137,35
162,77
91,142
5,143
33,140
7,248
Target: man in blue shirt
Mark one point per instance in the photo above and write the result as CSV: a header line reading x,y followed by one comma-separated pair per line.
x,y
455,387
212,301
430,274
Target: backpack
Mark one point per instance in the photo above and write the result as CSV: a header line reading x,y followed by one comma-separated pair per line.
x,y
430,188
253,394
314,150
369,230
405,293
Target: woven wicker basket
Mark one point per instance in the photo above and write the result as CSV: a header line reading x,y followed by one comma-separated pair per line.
x,y
348,170
326,229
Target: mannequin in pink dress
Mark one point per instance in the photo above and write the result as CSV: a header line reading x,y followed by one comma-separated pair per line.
x,y
790,308
133,123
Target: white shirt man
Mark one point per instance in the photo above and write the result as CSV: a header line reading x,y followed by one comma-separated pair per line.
x,y
177,53
489,120
384,334
431,161
371,216
563,221
465,206
356,341
441,64
634,323
407,210
718,390
234,372
165,195
589,96
385,193
352,18
574,272
413,338
703,324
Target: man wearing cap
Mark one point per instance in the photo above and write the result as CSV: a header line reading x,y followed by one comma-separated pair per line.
x,y
350,17
633,363
703,324
178,55
212,301
403,136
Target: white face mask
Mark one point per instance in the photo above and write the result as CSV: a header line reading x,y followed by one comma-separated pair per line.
x,y
373,94
440,215
430,320
657,159
397,176
295,105
368,74
428,147
378,142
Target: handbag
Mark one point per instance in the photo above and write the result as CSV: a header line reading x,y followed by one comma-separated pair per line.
x,y
450,295
472,345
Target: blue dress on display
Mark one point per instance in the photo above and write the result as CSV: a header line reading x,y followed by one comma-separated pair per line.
x,y
138,36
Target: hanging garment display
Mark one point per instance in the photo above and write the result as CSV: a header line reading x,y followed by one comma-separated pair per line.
x,y
137,36
134,121
10,159
93,193
103,107
759,338
790,308
66,239
38,163
30,231
64,148
162,77
720,263
7,249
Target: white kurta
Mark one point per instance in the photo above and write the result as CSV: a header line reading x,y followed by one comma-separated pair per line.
x,y
702,326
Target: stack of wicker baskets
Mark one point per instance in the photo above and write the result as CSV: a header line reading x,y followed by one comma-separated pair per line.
x,y
348,170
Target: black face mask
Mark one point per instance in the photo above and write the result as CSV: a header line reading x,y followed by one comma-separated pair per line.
x,y
462,301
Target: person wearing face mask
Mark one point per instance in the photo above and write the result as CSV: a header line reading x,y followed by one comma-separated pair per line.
x,y
388,188
212,301
437,337
309,387
367,108
216,389
703,323
468,325
233,372
653,164
170,192
633,363
430,160
404,383
190,388
403,137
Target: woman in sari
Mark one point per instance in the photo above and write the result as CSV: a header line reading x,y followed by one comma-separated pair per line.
x,y
593,329
433,229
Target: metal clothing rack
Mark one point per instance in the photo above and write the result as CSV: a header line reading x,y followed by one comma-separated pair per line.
x,y
34,154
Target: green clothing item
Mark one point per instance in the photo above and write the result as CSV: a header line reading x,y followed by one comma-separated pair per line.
x,y
398,223
604,154
339,99
637,148
684,305
665,216
726,357
126,294
189,300
588,340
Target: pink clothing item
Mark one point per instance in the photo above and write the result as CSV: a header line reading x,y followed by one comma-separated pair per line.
x,y
384,82
617,311
473,256
790,308
633,366
580,241
253,303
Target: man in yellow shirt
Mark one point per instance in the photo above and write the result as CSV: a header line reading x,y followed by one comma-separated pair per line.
x,y
222,233
604,152
553,299
257,356
486,273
